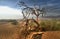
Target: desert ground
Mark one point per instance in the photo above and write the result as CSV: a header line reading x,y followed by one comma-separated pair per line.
x,y
11,31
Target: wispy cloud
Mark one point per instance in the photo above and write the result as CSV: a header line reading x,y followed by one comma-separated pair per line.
x,y
10,3
9,13
52,6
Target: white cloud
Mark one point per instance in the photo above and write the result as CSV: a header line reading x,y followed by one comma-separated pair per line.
x,y
7,12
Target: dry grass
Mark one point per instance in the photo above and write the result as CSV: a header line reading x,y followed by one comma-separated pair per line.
x,y
10,31
51,35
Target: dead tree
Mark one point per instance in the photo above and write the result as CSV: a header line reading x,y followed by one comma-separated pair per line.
x,y
27,11
38,11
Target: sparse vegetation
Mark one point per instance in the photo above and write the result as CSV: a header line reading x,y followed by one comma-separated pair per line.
x,y
14,22
20,32
50,25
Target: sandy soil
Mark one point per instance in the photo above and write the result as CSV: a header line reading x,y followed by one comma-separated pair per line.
x,y
51,35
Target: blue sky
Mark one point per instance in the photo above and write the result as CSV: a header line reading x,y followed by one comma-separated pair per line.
x,y
52,7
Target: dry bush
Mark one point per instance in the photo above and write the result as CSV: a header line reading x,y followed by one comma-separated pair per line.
x,y
50,25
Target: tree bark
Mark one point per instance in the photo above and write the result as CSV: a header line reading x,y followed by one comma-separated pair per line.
x,y
37,18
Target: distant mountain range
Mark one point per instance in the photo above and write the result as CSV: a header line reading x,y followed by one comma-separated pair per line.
x,y
52,16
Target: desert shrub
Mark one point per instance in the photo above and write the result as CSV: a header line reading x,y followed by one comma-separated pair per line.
x,y
50,25
42,24
14,22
